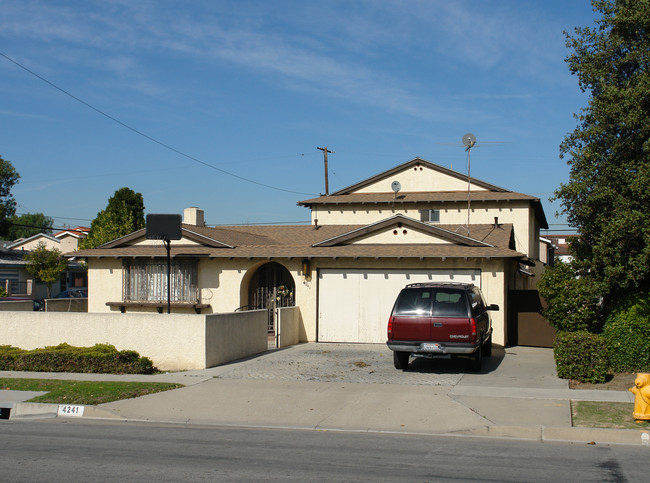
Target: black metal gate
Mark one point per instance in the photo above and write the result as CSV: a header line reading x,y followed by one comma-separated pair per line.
x,y
272,298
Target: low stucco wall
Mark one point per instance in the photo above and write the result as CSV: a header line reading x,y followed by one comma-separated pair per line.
x,y
172,341
290,326
235,335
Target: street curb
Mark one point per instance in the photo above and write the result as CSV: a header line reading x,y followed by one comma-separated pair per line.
x,y
629,437
27,410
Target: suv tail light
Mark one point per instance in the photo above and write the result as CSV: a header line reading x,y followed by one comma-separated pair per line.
x,y
390,328
472,323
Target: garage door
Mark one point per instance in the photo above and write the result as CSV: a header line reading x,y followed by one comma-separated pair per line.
x,y
354,305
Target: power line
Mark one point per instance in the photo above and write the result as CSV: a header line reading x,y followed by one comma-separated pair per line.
x,y
146,136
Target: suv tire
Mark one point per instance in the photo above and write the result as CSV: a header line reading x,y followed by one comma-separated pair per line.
x,y
487,347
476,360
401,360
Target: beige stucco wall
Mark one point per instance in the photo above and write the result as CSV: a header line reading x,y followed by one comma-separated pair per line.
x,y
33,244
68,243
172,342
234,336
104,283
420,179
289,323
403,235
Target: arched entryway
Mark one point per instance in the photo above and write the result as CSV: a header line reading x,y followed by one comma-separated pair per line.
x,y
271,286
271,283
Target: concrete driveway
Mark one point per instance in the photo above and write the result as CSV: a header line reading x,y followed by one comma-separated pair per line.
x,y
529,367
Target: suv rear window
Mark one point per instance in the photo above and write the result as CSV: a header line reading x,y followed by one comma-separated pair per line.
x,y
413,301
436,302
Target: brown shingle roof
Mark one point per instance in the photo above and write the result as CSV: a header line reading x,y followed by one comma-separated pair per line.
x,y
296,241
417,197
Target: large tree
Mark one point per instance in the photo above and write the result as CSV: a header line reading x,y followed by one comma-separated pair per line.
x,y
46,265
607,196
29,224
124,214
8,178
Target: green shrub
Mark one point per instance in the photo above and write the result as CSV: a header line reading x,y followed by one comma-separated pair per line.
x,y
627,332
572,297
101,358
581,355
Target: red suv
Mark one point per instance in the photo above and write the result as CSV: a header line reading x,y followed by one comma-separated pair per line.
x,y
440,320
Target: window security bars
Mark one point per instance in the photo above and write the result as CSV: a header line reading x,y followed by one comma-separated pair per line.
x,y
146,281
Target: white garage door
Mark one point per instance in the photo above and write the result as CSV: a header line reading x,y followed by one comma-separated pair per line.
x,y
354,305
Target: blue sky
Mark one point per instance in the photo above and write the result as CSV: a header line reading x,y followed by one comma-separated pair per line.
x,y
252,88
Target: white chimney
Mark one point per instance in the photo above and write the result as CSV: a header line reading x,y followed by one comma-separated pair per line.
x,y
193,216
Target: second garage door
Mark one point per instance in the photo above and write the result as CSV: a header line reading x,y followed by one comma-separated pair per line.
x,y
354,305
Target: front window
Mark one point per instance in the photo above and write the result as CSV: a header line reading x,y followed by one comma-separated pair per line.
x,y
146,281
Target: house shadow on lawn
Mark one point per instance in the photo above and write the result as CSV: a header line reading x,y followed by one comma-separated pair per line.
x,y
457,365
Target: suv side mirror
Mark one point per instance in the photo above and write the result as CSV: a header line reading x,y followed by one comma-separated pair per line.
x,y
493,307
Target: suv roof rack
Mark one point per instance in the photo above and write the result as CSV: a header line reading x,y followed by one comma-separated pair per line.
x,y
440,284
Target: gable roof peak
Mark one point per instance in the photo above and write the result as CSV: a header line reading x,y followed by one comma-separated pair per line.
x,y
415,162
400,220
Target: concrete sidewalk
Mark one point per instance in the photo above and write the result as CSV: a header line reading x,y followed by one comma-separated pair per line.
x,y
354,387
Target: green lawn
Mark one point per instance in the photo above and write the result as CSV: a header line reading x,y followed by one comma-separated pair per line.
x,y
84,392
592,414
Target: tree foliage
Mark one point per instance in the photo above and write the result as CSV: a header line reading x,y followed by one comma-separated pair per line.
x,y
124,214
8,178
46,265
607,196
29,224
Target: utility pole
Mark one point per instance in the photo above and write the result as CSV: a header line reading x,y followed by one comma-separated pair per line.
x,y
325,151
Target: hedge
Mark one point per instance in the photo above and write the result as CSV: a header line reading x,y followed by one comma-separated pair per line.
x,y
101,358
581,356
627,331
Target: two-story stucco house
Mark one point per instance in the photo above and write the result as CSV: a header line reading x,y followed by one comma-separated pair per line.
x,y
344,270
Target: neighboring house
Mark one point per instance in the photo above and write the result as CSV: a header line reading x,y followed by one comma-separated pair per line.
x,y
561,243
15,279
71,237
345,269
546,251
29,244
65,241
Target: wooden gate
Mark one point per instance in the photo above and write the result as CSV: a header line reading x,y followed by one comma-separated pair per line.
x,y
526,325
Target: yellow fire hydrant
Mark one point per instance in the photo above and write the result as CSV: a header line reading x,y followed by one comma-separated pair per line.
x,y
641,391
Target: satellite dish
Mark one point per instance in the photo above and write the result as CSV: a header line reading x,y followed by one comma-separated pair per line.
x,y
469,140
396,186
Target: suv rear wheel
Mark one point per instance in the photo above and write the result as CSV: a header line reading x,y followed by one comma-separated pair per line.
x,y
486,348
476,360
401,360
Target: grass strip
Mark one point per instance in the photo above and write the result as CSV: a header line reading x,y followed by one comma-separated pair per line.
x,y
84,392
598,414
